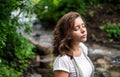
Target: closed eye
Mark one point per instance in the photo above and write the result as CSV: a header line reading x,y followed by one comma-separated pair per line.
x,y
82,25
76,28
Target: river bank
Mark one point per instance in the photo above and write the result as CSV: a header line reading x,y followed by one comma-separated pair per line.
x,y
106,59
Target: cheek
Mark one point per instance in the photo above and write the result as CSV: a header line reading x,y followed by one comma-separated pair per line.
x,y
76,35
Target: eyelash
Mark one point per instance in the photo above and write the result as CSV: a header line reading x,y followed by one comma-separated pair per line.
x,y
83,25
76,28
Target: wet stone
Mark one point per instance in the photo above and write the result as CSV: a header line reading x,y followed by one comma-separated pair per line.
x,y
106,63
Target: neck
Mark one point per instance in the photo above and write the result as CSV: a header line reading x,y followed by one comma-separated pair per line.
x,y
76,50
76,46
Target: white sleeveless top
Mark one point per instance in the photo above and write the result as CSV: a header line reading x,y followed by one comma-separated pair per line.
x,y
64,63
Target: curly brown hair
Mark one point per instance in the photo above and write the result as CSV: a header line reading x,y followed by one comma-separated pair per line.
x,y
62,41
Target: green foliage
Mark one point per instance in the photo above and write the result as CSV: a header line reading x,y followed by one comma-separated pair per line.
x,y
6,6
51,10
15,50
97,2
6,71
114,2
92,2
112,29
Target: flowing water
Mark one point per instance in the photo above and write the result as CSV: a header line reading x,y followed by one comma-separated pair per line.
x,y
106,60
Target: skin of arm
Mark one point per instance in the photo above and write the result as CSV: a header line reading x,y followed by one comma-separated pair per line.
x,y
60,73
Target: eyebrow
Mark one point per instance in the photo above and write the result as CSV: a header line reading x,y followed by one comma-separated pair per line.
x,y
79,25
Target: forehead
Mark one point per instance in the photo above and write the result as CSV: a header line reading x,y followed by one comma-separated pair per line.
x,y
78,21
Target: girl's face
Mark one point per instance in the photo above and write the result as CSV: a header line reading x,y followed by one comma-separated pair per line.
x,y
79,30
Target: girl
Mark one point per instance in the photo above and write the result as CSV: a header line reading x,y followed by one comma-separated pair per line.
x,y
72,60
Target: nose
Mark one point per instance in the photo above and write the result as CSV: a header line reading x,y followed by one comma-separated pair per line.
x,y
83,30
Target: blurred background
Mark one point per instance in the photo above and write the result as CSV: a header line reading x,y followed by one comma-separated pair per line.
x,y
26,35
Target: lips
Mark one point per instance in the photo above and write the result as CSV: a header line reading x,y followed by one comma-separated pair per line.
x,y
84,36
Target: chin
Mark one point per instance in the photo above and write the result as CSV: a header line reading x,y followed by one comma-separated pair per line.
x,y
84,40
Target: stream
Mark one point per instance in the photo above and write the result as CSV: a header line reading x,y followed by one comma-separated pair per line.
x,y
106,59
